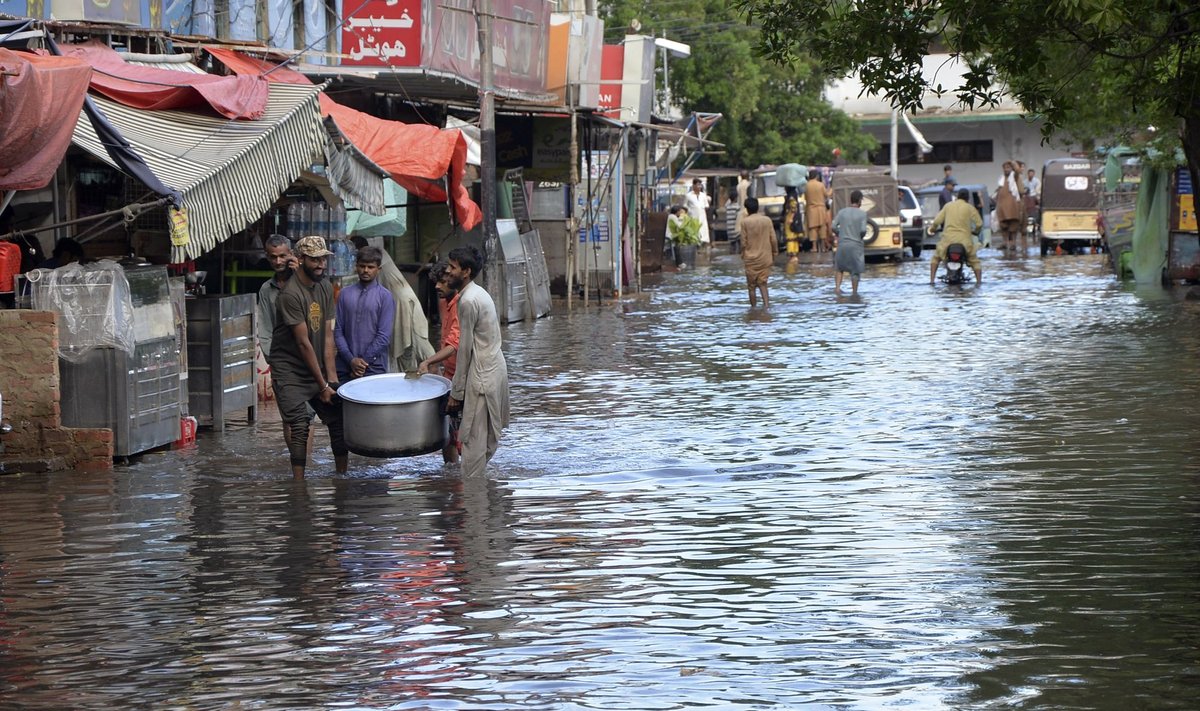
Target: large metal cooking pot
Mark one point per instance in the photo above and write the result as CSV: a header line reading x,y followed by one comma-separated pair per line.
x,y
394,415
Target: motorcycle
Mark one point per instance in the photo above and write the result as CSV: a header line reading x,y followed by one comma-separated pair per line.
x,y
956,262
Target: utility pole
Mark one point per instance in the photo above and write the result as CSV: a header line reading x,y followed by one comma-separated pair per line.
x,y
493,278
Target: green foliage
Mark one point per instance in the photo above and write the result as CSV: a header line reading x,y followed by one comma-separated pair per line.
x,y
1098,69
770,113
688,233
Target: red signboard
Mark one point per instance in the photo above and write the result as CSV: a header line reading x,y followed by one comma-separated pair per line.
x,y
383,33
612,69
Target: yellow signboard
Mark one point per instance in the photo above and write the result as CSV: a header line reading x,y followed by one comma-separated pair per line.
x,y
1187,213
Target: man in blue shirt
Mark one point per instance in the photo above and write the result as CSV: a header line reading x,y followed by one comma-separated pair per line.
x,y
363,330
947,195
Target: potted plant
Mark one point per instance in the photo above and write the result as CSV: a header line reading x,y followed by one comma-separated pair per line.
x,y
686,238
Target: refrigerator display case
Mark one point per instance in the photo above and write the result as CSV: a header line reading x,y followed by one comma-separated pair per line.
x,y
220,358
134,393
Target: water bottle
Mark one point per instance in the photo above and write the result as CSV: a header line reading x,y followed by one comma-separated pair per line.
x,y
348,256
298,215
338,214
320,221
337,260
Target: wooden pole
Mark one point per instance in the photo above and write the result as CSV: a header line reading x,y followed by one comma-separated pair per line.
x,y
493,278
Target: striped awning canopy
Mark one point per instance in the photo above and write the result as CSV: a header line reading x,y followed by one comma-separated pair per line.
x,y
230,171
352,177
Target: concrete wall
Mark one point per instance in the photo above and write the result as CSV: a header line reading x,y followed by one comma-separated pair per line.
x,y
30,384
1011,138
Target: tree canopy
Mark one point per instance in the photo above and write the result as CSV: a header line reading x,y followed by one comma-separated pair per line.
x,y
1094,68
771,113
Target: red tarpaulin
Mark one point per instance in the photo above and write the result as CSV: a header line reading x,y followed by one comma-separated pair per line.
x,y
40,98
236,97
415,156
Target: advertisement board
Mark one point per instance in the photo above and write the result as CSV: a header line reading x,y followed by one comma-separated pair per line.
x,y
138,13
520,29
612,69
383,33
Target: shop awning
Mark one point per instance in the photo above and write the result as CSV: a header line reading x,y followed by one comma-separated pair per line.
x,y
151,87
417,157
40,98
350,175
353,177
230,172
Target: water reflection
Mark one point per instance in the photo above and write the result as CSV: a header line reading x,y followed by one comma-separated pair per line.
x,y
977,498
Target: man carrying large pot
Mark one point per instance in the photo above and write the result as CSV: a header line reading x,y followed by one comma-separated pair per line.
x,y
302,356
480,387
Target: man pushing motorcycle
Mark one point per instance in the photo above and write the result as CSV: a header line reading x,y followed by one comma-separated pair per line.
x,y
960,222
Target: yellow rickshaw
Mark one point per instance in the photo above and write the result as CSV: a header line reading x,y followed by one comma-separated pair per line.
x,y
1070,205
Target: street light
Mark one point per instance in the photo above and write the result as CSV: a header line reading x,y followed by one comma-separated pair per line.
x,y
670,48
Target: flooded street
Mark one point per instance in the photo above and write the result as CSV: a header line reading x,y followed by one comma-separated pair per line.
x,y
924,498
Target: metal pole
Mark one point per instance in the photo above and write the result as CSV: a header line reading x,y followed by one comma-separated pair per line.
x,y
573,220
493,279
589,218
895,149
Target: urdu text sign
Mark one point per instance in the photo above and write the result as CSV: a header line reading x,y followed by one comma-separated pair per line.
x,y
384,33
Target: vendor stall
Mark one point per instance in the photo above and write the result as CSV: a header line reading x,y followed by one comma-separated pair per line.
x,y
119,356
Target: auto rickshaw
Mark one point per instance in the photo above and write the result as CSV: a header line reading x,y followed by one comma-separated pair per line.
x,y
880,201
770,198
1070,204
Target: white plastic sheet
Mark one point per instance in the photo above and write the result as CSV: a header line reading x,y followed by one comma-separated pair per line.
x,y
93,305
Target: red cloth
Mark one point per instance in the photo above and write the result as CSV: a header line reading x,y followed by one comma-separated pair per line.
x,y
415,156
10,266
237,97
40,99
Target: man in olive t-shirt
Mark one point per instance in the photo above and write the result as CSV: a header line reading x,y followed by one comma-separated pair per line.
x,y
302,356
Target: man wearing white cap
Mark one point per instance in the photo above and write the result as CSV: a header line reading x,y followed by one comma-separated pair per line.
x,y
302,356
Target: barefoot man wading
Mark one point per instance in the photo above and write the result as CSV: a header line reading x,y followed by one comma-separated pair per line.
x,y
481,377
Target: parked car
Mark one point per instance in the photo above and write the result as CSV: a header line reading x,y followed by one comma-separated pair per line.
x,y
912,222
928,199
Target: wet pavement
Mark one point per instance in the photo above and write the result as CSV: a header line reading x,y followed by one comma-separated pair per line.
x,y
922,497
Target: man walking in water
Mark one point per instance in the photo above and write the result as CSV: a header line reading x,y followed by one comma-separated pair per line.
x,y
849,229
302,362
759,248
816,215
480,387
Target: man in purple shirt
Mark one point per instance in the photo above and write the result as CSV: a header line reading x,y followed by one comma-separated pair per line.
x,y
363,329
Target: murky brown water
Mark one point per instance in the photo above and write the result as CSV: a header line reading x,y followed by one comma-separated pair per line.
x,y
924,498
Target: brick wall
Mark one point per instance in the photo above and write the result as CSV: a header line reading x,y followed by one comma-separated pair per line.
x,y
30,385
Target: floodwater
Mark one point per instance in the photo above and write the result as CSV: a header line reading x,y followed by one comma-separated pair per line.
x,y
928,498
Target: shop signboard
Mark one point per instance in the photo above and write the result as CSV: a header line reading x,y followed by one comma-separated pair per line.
x,y
138,13
551,149
1183,207
612,69
520,30
383,33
